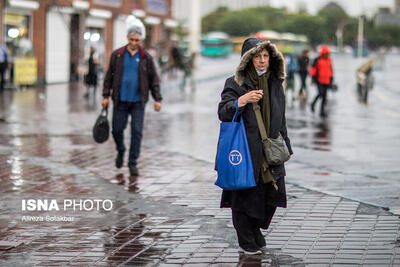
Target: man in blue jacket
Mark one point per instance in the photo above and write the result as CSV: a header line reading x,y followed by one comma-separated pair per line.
x,y
131,75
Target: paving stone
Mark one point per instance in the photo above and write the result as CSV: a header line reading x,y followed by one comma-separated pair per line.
x,y
226,260
347,261
317,261
349,256
376,262
319,256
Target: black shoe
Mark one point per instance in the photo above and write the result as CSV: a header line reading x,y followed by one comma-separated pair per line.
x,y
119,161
133,170
323,115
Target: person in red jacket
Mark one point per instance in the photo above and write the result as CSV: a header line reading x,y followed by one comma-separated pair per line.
x,y
322,75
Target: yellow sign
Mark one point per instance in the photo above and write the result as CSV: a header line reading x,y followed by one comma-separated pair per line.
x,y
25,71
13,18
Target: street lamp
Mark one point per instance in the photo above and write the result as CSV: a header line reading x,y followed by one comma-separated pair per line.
x,y
360,35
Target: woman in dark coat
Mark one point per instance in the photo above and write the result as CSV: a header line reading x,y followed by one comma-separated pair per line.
x,y
304,62
91,76
258,78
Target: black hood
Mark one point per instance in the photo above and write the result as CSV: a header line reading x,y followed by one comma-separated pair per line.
x,y
252,46
249,43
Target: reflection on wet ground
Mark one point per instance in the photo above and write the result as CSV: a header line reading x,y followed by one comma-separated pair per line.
x,y
322,137
41,161
314,135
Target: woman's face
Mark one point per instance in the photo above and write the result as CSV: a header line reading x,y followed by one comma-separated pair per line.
x,y
261,60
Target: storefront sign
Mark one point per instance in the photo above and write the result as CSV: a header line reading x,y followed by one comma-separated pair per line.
x,y
25,71
157,6
13,19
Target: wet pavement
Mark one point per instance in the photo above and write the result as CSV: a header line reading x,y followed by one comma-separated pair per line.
x,y
170,215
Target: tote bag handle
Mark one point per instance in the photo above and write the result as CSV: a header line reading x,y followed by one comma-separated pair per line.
x,y
236,112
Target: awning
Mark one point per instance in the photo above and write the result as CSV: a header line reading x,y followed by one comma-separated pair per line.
x,y
139,13
152,20
100,13
170,23
95,22
31,5
80,5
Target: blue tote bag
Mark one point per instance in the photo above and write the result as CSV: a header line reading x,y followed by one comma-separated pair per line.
x,y
233,163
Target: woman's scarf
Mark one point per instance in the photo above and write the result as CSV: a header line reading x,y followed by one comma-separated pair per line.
x,y
261,82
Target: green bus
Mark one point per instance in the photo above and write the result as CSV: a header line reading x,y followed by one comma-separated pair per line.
x,y
216,44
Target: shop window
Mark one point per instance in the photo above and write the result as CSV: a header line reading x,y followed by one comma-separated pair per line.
x,y
95,37
17,34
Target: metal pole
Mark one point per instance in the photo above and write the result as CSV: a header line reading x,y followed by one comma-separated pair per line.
x,y
195,24
81,52
2,29
339,37
360,35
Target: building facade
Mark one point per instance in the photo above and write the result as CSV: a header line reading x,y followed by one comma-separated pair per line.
x,y
397,6
58,33
385,16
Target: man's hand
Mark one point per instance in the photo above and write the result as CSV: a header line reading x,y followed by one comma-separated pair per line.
x,y
157,106
250,97
105,102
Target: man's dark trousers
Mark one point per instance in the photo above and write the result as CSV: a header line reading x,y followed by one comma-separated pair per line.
x,y
322,92
119,122
3,68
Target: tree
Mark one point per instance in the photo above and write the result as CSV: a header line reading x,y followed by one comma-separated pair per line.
x,y
210,21
273,18
240,23
311,26
386,35
335,18
319,29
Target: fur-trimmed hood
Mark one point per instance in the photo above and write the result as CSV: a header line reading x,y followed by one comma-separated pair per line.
x,y
252,46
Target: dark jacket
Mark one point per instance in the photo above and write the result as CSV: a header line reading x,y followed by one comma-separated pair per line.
x,y
304,62
240,84
252,200
91,76
148,77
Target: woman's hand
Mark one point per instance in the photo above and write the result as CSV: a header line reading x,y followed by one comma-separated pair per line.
x,y
250,97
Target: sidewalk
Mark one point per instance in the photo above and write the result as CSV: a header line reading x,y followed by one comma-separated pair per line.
x,y
169,215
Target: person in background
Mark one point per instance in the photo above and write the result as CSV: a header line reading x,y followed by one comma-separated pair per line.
x,y
91,76
291,68
258,79
5,59
130,76
177,57
322,74
303,65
